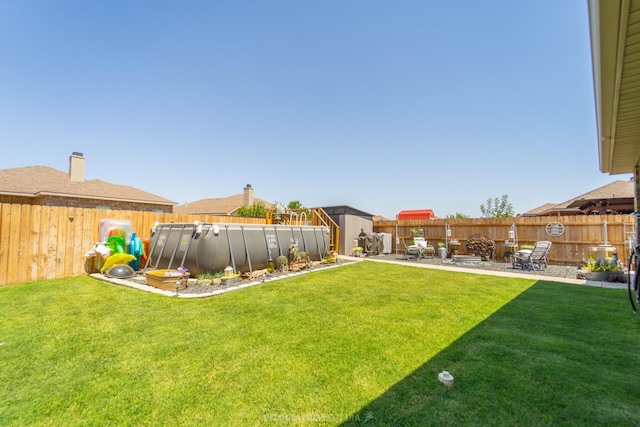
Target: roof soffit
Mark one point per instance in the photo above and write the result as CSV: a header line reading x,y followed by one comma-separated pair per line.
x,y
615,41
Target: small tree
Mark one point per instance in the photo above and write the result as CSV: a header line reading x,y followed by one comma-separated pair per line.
x,y
456,215
256,210
417,232
295,205
497,208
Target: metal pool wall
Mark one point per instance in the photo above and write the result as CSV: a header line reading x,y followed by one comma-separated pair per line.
x,y
203,247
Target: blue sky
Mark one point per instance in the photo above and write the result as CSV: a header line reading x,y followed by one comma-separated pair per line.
x,y
379,105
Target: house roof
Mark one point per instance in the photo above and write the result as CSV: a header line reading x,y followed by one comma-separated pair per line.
x,y
545,209
345,210
616,195
217,206
615,191
36,181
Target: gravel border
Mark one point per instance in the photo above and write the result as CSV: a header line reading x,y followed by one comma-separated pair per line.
x,y
560,271
194,290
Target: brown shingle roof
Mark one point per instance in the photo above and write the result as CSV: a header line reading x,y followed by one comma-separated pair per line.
x,y
540,209
217,206
616,190
33,181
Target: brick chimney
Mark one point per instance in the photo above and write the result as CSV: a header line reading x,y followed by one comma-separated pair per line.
x,y
248,196
76,167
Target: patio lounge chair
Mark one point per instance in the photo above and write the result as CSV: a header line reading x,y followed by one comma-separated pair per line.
x,y
411,251
425,248
533,259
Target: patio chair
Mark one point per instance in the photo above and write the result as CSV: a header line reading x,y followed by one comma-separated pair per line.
x,y
425,248
411,251
533,259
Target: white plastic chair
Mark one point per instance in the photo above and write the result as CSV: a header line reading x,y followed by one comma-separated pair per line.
x,y
425,248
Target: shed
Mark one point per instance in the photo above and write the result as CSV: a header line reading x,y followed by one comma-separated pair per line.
x,y
416,214
351,222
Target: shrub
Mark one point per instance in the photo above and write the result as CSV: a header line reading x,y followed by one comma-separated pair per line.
x,y
602,264
282,263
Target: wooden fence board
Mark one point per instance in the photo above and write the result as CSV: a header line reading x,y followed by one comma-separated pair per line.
x,y
52,248
82,244
14,243
5,231
61,249
66,254
88,238
24,250
34,232
43,247
79,245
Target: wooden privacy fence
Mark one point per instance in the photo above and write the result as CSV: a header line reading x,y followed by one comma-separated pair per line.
x,y
49,242
570,248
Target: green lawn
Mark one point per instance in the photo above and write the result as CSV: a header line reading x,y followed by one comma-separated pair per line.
x,y
358,344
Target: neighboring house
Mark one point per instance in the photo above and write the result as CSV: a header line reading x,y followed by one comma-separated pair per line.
x,y
615,198
223,205
546,209
42,185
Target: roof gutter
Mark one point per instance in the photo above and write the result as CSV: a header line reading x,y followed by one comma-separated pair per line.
x,y
608,26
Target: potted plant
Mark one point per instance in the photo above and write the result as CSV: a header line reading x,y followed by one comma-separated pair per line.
x,y
442,250
602,269
331,257
230,279
205,279
217,278
282,263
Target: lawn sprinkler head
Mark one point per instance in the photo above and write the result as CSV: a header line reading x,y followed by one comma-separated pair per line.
x,y
445,378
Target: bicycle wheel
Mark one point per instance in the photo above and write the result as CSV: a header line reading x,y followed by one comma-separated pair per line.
x,y
633,271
